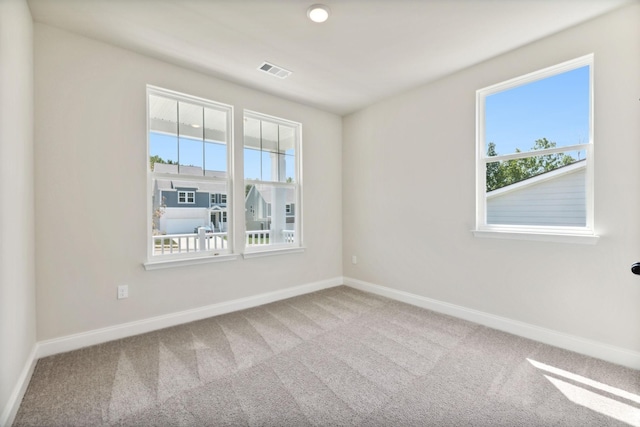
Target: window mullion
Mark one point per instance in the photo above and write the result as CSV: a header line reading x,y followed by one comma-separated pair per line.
x,y
204,157
178,132
535,153
261,143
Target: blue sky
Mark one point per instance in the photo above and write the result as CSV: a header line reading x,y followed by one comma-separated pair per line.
x,y
556,108
165,146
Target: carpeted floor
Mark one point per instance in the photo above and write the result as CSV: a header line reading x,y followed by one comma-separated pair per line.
x,y
334,357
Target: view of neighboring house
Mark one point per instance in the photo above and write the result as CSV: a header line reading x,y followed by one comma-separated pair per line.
x,y
258,212
186,204
555,198
189,204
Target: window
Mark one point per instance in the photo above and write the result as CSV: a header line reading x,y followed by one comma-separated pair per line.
x,y
535,153
287,208
186,197
188,147
272,182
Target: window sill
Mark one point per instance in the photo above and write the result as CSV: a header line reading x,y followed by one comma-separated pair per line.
x,y
586,239
182,262
271,252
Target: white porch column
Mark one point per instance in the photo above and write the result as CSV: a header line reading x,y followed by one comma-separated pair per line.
x,y
278,201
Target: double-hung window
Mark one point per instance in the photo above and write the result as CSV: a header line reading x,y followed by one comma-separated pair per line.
x,y
535,155
186,197
272,183
189,156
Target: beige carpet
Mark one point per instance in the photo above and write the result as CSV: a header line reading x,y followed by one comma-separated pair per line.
x,y
335,357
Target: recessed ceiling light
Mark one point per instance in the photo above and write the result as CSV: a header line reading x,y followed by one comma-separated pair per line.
x,y
195,125
318,13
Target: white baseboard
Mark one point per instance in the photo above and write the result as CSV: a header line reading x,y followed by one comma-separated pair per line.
x,y
11,408
617,355
98,336
580,345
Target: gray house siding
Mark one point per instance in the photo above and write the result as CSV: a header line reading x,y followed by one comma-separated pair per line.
x,y
257,212
171,199
560,201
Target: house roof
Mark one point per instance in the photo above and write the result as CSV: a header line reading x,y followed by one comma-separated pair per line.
x,y
186,170
555,173
185,184
165,168
267,193
163,184
212,187
200,186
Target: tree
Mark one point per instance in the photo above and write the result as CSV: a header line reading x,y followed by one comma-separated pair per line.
x,y
156,215
494,171
157,159
502,173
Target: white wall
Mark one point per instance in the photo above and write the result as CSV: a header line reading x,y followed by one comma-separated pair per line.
x,y
424,140
90,154
17,277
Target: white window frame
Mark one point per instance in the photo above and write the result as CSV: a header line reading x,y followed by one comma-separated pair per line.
x,y
297,246
154,262
187,195
584,234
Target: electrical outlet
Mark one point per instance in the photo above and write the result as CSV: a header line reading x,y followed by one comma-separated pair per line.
x,y
354,259
123,291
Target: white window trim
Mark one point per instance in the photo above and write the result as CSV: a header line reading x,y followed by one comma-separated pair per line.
x,y
539,233
274,250
182,262
568,236
280,249
154,262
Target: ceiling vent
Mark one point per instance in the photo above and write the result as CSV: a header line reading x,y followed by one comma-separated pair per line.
x,y
274,70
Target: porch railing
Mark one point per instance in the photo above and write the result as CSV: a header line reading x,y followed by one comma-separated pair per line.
x,y
185,243
262,237
289,236
196,242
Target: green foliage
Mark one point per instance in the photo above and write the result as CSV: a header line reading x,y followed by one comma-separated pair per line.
x,y
157,159
507,172
156,215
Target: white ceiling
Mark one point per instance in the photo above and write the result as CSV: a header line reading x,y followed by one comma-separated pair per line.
x,y
366,51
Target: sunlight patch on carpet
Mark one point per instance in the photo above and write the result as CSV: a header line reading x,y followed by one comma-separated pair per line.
x,y
582,394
